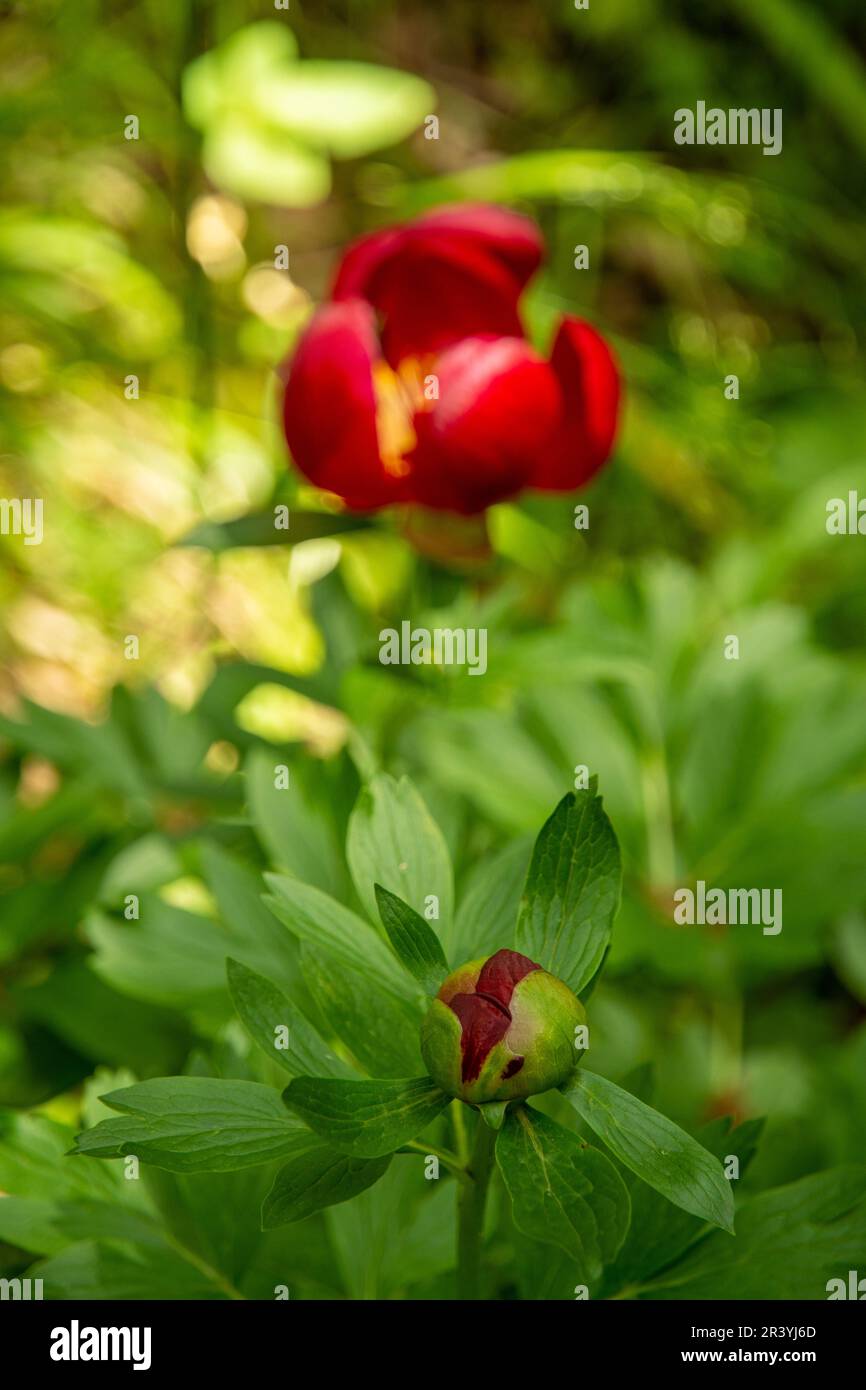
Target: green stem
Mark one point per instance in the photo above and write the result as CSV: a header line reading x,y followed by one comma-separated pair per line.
x,y
459,1123
471,1201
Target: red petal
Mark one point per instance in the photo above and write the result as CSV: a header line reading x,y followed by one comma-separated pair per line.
x,y
484,1024
502,972
590,382
453,273
499,405
361,262
515,240
329,407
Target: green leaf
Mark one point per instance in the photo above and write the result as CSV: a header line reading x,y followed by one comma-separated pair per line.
x,y
102,1024
350,108
177,958
365,1118
393,840
849,952
32,1224
112,1271
257,528
98,1220
401,1231
265,1012
317,1176
32,1162
487,914
320,920
563,1192
237,888
193,1124
270,119
655,1148
246,158
659,1235
572,890
463,750
791,1241
220,78
414,941
295,832
381,1032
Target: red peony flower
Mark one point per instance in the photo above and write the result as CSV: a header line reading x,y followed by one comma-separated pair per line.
x,y
415,383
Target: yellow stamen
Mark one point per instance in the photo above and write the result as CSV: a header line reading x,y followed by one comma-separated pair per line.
x,y
398,396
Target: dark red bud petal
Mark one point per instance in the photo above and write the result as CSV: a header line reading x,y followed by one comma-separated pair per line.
x,y
484,1023
502,972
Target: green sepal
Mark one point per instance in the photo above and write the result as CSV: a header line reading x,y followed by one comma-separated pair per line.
x,y
493,1113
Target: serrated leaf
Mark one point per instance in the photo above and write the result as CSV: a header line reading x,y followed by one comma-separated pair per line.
x,y
414,940
190,1124
563,1191
317,1176
266,1012
365,1118
393,840
655,1148
572,890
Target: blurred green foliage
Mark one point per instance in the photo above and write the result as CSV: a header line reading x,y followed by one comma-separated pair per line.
x,y
153,258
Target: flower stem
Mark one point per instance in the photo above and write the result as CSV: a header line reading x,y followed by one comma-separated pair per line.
x,y
471,1201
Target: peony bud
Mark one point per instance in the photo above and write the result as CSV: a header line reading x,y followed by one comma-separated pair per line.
x,y
501,1029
